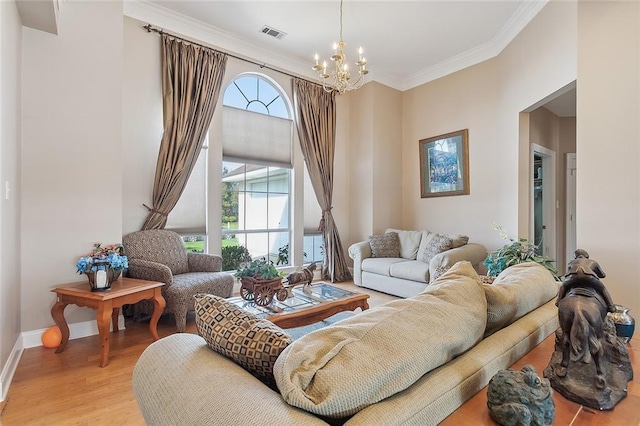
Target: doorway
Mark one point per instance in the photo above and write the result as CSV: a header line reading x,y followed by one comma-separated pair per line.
x,y
571,239
543,200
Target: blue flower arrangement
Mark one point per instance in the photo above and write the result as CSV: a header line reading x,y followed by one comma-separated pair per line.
x,y
110,255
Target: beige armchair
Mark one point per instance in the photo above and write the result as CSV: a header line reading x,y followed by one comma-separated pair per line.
x,y
160,255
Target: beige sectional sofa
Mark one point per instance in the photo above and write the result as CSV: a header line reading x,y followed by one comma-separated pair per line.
x,y
409,362
422,256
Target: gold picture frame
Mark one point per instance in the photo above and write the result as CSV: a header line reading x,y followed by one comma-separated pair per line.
x,y
444,165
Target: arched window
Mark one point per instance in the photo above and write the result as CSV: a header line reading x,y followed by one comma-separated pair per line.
x,y
253,93
256,171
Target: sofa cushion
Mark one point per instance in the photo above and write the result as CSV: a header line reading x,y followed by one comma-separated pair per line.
x,y
385,245
413,270
516,291
409,242
340,369
382,265
251,342
433,244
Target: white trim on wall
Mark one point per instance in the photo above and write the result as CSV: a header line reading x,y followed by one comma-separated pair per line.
x,y
549,198
10,368
173,21
570,229
33,338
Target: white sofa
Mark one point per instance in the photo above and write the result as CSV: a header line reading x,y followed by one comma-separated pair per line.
x,y
409,274
179,380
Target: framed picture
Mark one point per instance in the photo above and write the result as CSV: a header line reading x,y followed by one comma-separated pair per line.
x,y
444,165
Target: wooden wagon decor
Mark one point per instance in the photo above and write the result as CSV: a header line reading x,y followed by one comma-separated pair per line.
x,y
262,291
261,281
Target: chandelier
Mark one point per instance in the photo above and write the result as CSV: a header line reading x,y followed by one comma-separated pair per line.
x,y
339,78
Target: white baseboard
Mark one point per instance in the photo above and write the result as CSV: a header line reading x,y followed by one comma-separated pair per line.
x,y
32,339
10,368
77,330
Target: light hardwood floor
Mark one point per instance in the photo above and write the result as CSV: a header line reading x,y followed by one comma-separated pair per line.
x,y
71,389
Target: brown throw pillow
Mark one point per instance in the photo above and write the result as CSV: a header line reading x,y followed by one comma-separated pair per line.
x,y
253,343
385,245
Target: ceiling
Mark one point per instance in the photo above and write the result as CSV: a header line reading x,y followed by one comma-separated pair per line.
x,y
406,43
563,105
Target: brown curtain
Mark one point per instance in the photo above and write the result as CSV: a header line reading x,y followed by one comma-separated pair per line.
x,y
191,80
316,123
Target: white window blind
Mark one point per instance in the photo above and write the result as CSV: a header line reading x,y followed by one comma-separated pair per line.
x,y
256,138
189,216
312,210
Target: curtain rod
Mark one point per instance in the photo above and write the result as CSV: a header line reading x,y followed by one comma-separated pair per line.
x,y
160,31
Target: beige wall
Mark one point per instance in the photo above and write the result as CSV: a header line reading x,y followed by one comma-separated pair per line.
x,y
468,99
608,135
538,62
375,168
567,145
71,151
141,121
361,167
387,158
488,99
10,133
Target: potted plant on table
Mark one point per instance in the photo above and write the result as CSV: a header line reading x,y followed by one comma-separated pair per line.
x,y
518,250
103,265
260,282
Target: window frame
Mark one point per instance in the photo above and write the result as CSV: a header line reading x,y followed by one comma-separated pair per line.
x,y
268,231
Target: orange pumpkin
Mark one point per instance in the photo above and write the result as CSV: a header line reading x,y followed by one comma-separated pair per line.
x,y
52,337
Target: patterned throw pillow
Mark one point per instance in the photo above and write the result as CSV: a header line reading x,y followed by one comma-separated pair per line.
x,y
253,343
385,245
433,244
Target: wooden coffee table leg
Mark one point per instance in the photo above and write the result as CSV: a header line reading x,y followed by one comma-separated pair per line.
x,y
104,321
158,307
57,313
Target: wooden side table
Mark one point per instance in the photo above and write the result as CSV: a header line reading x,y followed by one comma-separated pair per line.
x,y
107,303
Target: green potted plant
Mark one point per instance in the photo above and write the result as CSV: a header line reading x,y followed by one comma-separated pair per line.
x,y
260,281
518,250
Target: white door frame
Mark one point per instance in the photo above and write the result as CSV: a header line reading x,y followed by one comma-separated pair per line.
x,y
549,198
571,238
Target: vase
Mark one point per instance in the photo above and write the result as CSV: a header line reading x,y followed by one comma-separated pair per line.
x,y
101,279
625,324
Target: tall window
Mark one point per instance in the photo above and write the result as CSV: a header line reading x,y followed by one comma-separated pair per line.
x,y
256,170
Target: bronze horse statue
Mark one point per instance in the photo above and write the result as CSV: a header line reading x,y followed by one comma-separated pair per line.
x,y
581,314
306,275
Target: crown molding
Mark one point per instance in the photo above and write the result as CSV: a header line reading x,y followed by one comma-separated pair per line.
x,y
224,41
449,66
520,19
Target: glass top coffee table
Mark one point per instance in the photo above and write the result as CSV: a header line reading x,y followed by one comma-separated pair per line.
x,y
323,301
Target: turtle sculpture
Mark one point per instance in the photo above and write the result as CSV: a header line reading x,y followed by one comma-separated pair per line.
x,y
520,398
